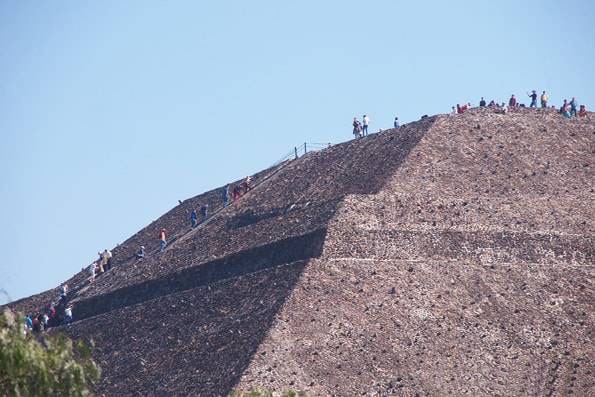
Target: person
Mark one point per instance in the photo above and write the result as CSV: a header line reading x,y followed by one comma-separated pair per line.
x,y
366,121
193,218
482,103
28,321
502,109
573,107
235,193
454,111
63,289
396,123
99,262
45,320
204,210
357,128
492,103
459,111
248,184
162,240
564,106
36,324
141,252
63,295
226,195
533,97
582,112
91,270
68,314
512,102
40,320
565,109
107,259
544,98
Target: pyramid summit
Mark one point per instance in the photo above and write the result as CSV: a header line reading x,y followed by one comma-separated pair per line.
x,y
450,256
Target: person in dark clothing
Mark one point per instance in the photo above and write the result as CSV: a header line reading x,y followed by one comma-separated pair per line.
x,y
564,106
204,212
141,252
41,322
482,103
512,102
396,123
533,97
193,218
36,324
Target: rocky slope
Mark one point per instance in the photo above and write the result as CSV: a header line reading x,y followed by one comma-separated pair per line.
x,y
452,256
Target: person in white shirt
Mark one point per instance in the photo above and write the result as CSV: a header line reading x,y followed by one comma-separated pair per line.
x,y
91,272
107,259
366,122
68,315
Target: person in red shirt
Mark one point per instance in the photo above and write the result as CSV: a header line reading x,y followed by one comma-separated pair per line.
x,y
162,240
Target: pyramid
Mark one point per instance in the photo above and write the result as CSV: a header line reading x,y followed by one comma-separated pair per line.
x,y
451,256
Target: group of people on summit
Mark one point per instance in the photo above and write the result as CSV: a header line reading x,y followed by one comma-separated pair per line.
x,y
360,129
568,108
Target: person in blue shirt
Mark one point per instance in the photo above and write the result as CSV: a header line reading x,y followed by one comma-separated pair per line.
x,y
194,218
29,322
396,123
573,107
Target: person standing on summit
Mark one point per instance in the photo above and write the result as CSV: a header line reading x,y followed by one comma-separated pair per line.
x,y
512,102
533,97
544,99
573,107
162,240
366,122
357,128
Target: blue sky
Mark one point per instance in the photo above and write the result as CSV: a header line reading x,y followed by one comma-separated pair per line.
x,y
111,111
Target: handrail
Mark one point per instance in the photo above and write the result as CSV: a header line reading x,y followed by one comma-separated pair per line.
x,y
287,158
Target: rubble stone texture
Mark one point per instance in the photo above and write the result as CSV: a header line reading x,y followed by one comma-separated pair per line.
x,y
453,256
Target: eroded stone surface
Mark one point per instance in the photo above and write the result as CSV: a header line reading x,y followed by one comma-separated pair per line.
x,y
453,256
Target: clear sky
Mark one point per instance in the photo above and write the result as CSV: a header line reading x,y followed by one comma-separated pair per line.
x,y
111,111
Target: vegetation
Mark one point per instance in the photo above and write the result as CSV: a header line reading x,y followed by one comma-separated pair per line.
x,y
45,365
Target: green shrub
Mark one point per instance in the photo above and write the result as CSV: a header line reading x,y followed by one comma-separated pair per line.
x,y
44,365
